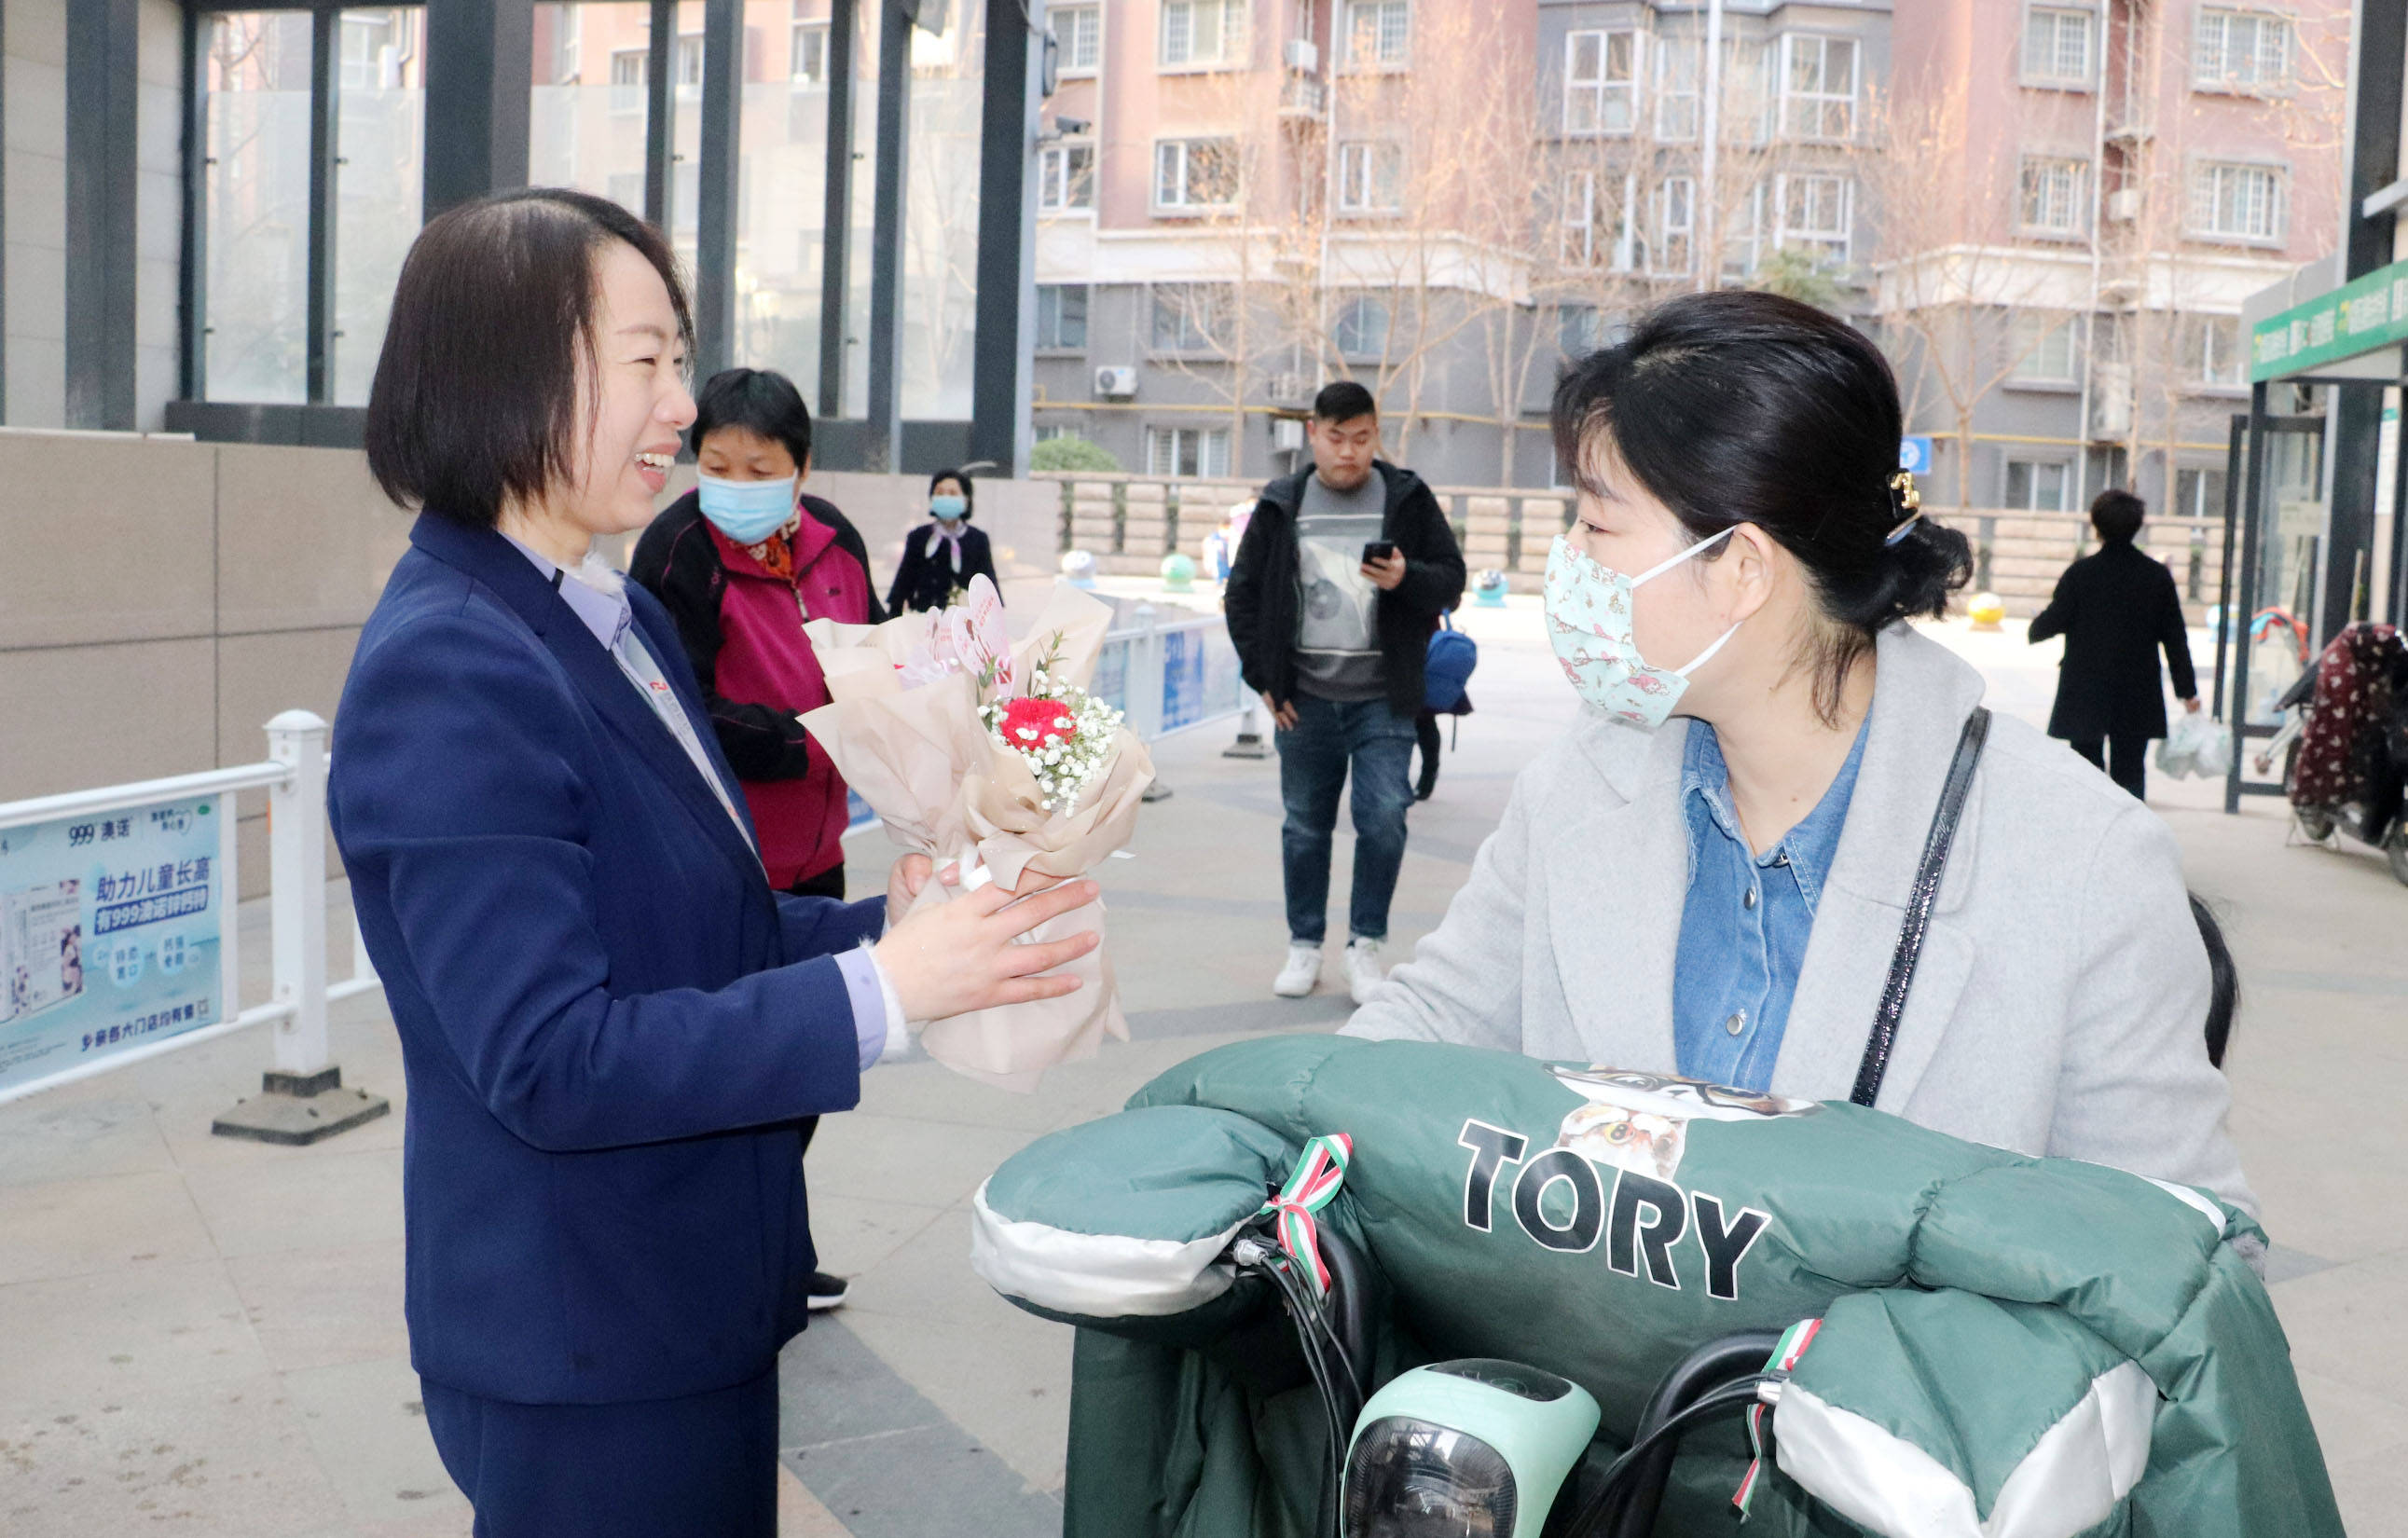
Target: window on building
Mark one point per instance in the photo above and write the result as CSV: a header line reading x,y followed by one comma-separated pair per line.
x,y
1203,34
1379,32
2236,202
1066,177
2053,190
1818,87
809,63
2042,348
1370,177
1600,83
1743,233
1679,66
2037,486
1813,212
1062,317
1676,216
627,70
2057,47
567,45
1360,328
1576,234
1079,33
1580,329
687,69
2199,491
2218,358
1195,173
2240,50
1186,450
1190,317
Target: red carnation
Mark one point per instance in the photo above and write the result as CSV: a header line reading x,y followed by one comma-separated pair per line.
x,y
1036,723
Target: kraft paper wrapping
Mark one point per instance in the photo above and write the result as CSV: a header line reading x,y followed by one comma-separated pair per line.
x,y
926,764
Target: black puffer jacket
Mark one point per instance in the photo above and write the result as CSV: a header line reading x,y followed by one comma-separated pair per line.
x,y
1261,598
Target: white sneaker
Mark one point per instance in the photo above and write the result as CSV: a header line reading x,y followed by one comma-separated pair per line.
x,y
1303,970
1362,973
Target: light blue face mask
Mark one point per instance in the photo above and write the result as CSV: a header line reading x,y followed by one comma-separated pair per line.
x,y
950,509
748,511
1589,619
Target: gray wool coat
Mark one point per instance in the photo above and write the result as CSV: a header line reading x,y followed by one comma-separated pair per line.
x,y
2059,1005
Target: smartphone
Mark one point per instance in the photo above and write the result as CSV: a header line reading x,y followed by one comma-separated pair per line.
x,y
1379,549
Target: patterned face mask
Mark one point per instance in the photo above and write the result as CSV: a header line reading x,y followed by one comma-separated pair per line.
x,y
1589,622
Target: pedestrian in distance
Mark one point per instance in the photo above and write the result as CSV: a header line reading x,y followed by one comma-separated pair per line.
x,y
2116,607
610,1023
940,556
1343,569
742,562
1710,872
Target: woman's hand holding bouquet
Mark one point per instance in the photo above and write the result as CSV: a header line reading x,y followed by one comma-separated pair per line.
x,y
992,757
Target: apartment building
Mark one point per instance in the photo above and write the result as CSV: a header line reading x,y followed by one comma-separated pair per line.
x,y
2104,183
2048,210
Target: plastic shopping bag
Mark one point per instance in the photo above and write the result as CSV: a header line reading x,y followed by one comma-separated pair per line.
x,y
2193,745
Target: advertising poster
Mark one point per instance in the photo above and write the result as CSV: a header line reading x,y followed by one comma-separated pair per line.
x,y
109,935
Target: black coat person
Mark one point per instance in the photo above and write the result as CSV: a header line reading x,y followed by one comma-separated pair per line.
x,y
940,556
2115,608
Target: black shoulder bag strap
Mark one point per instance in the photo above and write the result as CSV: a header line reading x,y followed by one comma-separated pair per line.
x,y
1919,900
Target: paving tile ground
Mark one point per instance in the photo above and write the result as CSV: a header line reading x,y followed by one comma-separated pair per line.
x,y
202,1336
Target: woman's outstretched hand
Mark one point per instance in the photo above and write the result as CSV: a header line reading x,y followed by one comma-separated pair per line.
x,y
960,956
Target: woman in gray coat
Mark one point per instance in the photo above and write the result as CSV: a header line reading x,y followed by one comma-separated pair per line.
x,y
1721,895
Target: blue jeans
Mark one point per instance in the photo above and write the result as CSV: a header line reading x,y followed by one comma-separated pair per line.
x,y
1315,755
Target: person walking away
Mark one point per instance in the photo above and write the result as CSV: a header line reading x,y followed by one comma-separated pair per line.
x,y
2116,607
1342,570
941,555
742,562
1425,730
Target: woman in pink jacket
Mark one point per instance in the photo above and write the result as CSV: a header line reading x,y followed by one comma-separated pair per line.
x,y
741,562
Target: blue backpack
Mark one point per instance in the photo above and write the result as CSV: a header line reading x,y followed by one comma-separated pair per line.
x,y
1453,655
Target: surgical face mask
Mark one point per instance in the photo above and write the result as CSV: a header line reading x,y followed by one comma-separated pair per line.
x,y
1589,619
950,509
748,511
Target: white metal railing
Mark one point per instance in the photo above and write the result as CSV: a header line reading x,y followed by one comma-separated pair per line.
x,y
295,777
1166,676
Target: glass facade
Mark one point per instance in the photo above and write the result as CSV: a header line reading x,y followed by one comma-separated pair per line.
x,y
782,190
586,118
380,117
941,214
590,127
254,206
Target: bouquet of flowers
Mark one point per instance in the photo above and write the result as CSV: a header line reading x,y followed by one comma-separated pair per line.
x,y
972,747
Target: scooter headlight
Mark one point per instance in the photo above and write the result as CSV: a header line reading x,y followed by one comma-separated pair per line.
x,y
1475,1449
1412,1478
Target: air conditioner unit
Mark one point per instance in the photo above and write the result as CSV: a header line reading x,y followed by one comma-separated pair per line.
x,y
2124,206
1303,55
1287,389
1287,434
1117,384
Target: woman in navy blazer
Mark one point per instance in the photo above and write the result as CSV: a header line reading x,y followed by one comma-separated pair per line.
x,y
611,1027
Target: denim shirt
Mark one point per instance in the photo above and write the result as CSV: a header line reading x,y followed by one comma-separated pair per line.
x,y
1745,926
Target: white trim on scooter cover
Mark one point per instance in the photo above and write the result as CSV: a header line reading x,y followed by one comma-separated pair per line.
x,y
2067,1484
1097,1275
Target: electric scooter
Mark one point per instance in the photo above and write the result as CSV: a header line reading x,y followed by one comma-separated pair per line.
x,y
1477,1449
2380,819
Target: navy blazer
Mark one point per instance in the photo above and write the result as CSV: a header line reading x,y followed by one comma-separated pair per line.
x,y
609,1023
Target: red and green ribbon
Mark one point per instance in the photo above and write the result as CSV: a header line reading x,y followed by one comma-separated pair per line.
x,y
1784,1361
1318,1176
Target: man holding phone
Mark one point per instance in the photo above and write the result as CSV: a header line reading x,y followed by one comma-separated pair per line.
x,y
1344,568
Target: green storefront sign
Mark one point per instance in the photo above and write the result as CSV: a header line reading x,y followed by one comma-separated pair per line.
x,y
2364,313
